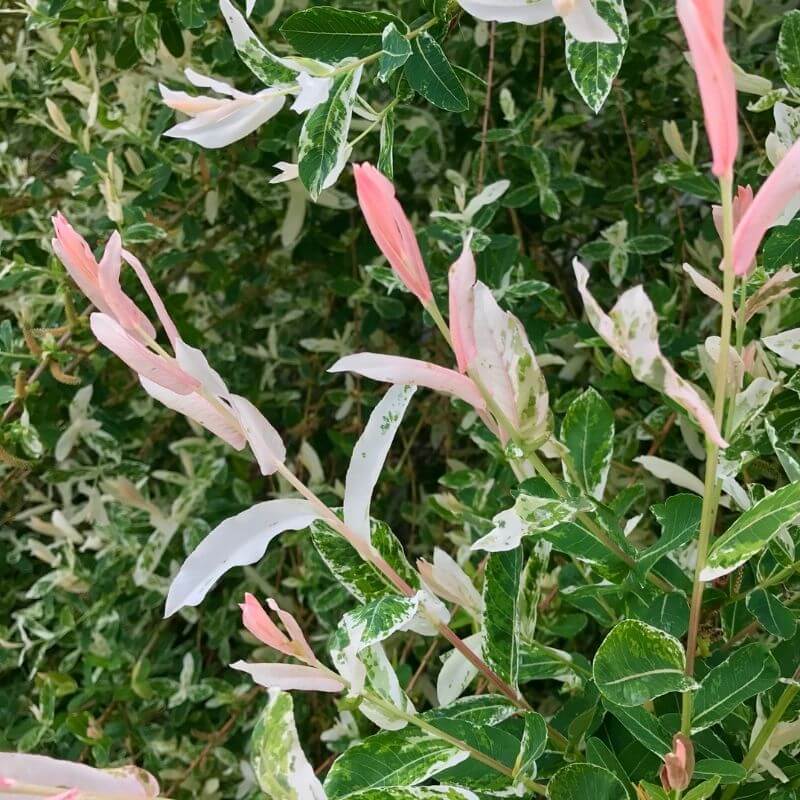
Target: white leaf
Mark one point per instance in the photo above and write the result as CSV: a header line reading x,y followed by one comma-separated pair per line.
x,y
457,671
236,542
369,455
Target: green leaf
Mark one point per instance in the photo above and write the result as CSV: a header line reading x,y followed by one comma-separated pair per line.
x,y
598,752
747,672
648,244
643,726
323,148
771,614
539,663
679,518
751,532
270,69
386,153
704,789
637,662
361,579
279,764
410,756
583,781
726,771
534,741
501,586
588,433
782,246
669,613
194,13
396,50
429,72
789,49
331,34
593,65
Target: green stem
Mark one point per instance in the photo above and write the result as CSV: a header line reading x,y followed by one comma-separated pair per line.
x,y
426,726
711,485
784,701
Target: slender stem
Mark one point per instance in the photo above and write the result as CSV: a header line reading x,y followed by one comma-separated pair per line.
x,y
711,487
368,554
762,738
424,725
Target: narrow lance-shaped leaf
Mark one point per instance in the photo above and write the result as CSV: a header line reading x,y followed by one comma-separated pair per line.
x,y
279,763
637,662
236,542
747,672
323,148
501,588
679,518
395,51
751,532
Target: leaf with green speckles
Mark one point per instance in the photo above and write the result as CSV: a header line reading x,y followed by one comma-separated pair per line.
x,y
322,149
279,763
594,65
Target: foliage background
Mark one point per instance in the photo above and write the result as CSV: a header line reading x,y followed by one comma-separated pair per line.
x,y
274,288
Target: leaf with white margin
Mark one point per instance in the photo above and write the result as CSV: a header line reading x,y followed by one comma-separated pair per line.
x,y
679,518
594,65
415,793
500,619
281,768
748,671
531,515
375,622
637,662
786,345
122,782
631,330
383,681
408,757
751,402
266,66
457,671
238,541
790,464
369,456
751,532
322,148
776,287
588,433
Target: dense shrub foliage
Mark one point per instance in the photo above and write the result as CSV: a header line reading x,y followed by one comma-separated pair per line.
x,y
557,501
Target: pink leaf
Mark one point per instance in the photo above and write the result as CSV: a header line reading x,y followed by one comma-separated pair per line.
x,y
703,23
462,307
391,229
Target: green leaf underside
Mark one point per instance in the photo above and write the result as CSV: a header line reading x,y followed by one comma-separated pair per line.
x,y
636,663
771,614
594,65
